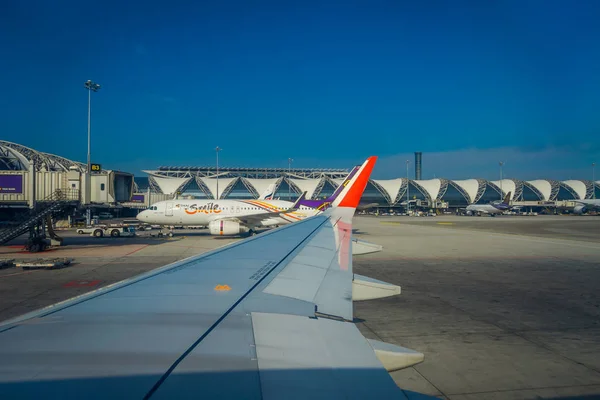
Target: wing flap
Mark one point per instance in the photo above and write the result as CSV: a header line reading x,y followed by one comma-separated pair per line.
x,y
360,247
394,358
366,288
317,358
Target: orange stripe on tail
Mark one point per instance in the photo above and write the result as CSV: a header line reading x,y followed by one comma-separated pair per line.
x,y
358,184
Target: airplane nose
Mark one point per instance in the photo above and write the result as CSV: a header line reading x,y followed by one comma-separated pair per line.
x,y
141,216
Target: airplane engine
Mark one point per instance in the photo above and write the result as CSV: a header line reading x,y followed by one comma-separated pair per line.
x,y
225,227
579,209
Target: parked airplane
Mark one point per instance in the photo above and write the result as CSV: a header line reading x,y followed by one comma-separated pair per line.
x,y
235,217
269,192
492,209
268,317
584,205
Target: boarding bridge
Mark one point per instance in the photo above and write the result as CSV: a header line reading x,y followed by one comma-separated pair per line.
x,y
34,221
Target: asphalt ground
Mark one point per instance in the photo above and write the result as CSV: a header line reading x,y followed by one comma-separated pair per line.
x,y
503,308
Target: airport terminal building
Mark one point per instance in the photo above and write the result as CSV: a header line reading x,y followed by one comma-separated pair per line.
x,y
235,183
28,175
18,164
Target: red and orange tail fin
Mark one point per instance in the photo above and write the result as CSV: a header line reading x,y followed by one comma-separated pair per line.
x,y
352,193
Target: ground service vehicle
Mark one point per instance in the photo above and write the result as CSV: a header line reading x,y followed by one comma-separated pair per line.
x,y
124,231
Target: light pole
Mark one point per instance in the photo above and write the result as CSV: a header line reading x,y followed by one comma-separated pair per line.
x,y
289,172
91,87
501,163
594,180
218,149
407,187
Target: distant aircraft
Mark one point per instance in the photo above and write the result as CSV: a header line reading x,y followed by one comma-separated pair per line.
x,y
270,317
365,207
492,209
269,193
235,217
584,205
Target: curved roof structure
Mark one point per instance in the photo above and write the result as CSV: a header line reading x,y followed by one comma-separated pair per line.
x,y
319,183
224,185
16,157
578,187
390,186
544,187
470,186
306,185
392,191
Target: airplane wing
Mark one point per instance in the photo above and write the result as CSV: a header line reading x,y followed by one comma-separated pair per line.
x,y
269,317
265,318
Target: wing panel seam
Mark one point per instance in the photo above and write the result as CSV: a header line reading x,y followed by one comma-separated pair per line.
x,y
225,314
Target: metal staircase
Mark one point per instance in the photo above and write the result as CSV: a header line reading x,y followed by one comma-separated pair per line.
x,y
34,219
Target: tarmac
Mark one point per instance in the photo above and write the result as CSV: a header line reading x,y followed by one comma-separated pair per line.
x,y
502,308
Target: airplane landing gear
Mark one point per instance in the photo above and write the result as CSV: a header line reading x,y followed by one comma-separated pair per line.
x,y
161,233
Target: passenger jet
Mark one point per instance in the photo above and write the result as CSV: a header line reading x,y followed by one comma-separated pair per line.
x,y
235,217
583,205
492,209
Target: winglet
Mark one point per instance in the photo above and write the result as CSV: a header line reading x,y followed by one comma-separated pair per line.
x,y
352,193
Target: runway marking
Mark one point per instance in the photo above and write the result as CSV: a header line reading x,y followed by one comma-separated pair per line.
x,y
445,223
19,273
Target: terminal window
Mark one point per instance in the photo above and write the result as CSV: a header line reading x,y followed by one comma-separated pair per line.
x,y
102,186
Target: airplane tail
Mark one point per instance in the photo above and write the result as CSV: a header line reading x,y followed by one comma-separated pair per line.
x,y
298,202
507,198
351,193
269,193
324,204
346,181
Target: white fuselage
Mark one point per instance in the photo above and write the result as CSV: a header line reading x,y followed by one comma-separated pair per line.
x,y
590,202
484,209
202,212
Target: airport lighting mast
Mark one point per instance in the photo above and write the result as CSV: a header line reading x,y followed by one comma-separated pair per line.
x,y
218,149
594,180
407,186
501,163
91,87
290,160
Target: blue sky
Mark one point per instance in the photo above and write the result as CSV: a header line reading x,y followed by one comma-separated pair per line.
x,y
326,83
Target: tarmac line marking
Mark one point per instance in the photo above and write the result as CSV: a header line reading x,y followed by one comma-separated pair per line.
x,y
136,250
19,273
390,223
445,223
